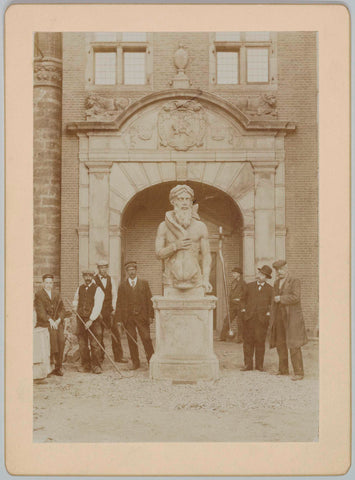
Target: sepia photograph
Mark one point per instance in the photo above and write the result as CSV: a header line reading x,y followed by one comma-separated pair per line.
x,y
175,257
178,208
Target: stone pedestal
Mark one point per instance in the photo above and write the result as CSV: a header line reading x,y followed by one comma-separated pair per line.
x,y
184,339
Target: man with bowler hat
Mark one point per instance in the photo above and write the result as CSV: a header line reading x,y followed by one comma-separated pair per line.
x,y
88,301
236,304
107,285
258,300
134,309
50,313
288,330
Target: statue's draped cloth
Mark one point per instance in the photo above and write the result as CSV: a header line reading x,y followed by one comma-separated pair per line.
x,y
182,270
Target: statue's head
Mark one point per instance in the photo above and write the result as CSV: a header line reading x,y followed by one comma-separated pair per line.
x,y
181,198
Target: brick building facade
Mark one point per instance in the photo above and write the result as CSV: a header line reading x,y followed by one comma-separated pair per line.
x,y
233,115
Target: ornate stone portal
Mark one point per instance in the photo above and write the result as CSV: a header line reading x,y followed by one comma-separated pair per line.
x,y
184,314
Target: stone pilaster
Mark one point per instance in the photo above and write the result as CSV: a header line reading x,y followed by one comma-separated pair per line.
x,y
47,119
115,253
248,253
265,221
99,182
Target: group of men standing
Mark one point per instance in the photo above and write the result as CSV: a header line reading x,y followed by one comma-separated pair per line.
x,y
257,305
99,306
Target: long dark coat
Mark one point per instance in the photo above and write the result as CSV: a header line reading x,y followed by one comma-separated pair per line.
x,y
258,303
145,301
291,310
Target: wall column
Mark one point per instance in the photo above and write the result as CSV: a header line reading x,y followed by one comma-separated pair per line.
x,y
47,140
248,253
115,253
265,217
99,177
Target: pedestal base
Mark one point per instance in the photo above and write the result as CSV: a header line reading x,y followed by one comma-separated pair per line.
x,y
184,339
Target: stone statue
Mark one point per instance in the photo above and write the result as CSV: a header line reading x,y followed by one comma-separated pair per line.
x,y
181,240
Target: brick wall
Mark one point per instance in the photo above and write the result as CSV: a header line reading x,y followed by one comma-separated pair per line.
x,y
297,101
73,110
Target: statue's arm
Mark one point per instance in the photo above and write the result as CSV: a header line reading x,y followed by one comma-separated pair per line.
x,y
161,250
206,255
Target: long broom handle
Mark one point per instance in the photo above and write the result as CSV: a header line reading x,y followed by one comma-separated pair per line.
x,y
99,344
225,284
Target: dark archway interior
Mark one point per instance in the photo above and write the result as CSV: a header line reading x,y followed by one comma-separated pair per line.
x,y
146,210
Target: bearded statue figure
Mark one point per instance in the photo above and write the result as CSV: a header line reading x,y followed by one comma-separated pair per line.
x,y
182,239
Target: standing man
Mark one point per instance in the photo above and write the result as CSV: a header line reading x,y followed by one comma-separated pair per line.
x,y
106,283
50,313
236,304
288,330
258,303
88,301
134,309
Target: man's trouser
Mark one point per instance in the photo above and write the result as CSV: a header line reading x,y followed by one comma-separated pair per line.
x,y
89,357
134,323
254,332
234,312
116,346
57,340
295,353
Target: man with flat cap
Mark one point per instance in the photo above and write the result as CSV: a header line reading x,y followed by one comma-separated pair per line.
x,y
107,285
88,301
134,309
288,330
258,300
50,314
236,304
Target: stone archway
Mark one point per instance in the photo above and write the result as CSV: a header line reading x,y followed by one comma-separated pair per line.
x,y
145,211
180,136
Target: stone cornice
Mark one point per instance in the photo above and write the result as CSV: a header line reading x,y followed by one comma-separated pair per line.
x,y
47,71
98,167
205,98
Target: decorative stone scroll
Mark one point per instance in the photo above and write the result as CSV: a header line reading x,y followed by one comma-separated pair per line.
x,y
261,105
182,124
47,71
105,109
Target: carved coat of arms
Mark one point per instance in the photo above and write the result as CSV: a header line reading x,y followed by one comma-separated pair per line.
x,y
181,124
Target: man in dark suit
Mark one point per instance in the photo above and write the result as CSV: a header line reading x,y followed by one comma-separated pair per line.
x,y
236,304
107,285
50,313
258,302
134,309
288,330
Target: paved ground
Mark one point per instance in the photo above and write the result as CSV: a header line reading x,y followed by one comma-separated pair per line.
x,y
239,407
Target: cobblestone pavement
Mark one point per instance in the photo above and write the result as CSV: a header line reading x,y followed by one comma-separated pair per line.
x,y
239,406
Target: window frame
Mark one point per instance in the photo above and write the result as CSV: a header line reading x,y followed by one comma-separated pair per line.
x,y
119,46
242,45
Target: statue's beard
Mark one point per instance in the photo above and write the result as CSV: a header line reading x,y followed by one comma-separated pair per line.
x,y
183,217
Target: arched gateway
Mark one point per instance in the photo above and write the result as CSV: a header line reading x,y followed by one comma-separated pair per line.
x,y
174,136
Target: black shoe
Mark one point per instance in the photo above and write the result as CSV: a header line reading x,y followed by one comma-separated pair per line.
x,y
245,369
221,339
121,360
260,369
58,372
135,366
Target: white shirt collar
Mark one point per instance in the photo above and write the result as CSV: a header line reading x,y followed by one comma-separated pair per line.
x,y
132,281
48,292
